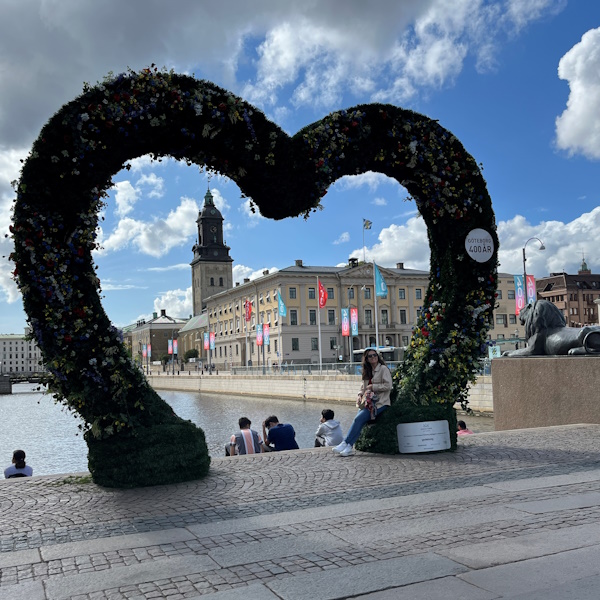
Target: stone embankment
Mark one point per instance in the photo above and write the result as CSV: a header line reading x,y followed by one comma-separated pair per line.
x,y
333,388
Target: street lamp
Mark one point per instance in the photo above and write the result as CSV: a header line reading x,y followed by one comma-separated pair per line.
x,y
542,247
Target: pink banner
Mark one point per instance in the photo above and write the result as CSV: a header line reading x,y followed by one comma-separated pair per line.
x,y
259,334
266,338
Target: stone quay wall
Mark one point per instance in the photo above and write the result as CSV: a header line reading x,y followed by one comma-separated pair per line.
x,y
545,391
333,388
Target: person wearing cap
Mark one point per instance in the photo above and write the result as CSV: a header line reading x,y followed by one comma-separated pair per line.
x,y
377,386
18,467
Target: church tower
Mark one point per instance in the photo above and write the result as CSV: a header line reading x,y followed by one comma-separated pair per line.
x,y
212,270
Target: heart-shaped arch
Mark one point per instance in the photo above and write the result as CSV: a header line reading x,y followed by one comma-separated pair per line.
x,y
133,436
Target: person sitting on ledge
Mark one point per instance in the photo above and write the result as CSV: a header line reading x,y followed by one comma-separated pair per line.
x,y
18,467
373,398
329,432
280,436
462,429
247,441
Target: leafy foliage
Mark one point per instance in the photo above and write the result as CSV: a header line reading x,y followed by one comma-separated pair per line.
x,y
62,189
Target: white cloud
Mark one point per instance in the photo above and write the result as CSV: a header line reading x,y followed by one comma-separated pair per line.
x,y
176,303
253,217
241,272
370,179
178,267
344,237
154,238
154,182
126,195
379,201
578,127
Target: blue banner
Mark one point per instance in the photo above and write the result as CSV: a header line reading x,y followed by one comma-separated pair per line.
x,y
380,286
282,306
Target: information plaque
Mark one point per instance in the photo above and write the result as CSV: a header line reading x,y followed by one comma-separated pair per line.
x,y
425,436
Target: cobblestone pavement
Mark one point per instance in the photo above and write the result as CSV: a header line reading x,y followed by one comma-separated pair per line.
x,y
263,522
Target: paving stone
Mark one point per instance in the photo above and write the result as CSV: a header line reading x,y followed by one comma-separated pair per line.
x,y
537,574
363,578
555,504
498,552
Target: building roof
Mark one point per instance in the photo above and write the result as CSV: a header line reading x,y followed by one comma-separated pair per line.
x,y
195,323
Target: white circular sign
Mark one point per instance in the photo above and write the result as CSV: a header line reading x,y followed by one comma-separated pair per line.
x,y
479,245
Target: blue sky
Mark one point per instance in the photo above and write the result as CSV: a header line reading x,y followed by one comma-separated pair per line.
x,y
518,82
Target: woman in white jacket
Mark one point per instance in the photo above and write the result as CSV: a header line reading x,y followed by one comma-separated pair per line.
x,y
330,430
376,379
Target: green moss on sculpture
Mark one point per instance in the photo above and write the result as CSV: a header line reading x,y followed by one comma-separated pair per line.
x,y
62,189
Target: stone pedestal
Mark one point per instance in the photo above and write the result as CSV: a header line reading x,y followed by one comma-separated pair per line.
x,y
545,391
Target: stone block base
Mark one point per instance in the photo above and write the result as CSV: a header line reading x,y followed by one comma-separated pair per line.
x,y
545,391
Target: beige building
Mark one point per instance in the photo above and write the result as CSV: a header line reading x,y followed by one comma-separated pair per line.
x,y
294,338
19,355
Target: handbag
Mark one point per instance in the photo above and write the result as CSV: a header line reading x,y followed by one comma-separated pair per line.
x,y
368,400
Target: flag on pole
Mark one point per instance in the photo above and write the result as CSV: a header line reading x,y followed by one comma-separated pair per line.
x,y
380,285
248,310
367,224
282,306
322,295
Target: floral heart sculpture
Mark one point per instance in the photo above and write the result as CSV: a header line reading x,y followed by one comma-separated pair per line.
x,y
134,438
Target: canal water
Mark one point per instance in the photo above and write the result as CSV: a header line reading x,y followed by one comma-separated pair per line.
x,y
31,421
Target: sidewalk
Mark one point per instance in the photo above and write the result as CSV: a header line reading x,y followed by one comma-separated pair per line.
x,y
509,515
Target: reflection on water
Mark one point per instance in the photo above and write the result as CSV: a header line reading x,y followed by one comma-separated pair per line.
x,y
49,435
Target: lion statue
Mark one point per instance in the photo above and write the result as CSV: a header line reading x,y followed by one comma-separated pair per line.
x,y
547,333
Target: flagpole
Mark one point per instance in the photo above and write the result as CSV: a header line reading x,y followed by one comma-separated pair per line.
x,y
364,247
376,312
319,327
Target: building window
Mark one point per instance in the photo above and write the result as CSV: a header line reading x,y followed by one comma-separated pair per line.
x,y
292,293
212,281
501,319
314,343
402,316
402,294
511,294
312,317
418,312
350,293
500,336
220,281
405,340
237,350
384,316
418,294
499,294
311,293
512,319
275,345
330,293
368,317
367,293
332,343
293,316
330,316
296,344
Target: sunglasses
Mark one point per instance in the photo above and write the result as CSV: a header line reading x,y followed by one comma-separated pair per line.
x,y
371,355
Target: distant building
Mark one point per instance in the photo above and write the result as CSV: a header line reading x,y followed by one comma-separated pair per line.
x,y
295,337
219,307
20,355
574,295
155,333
